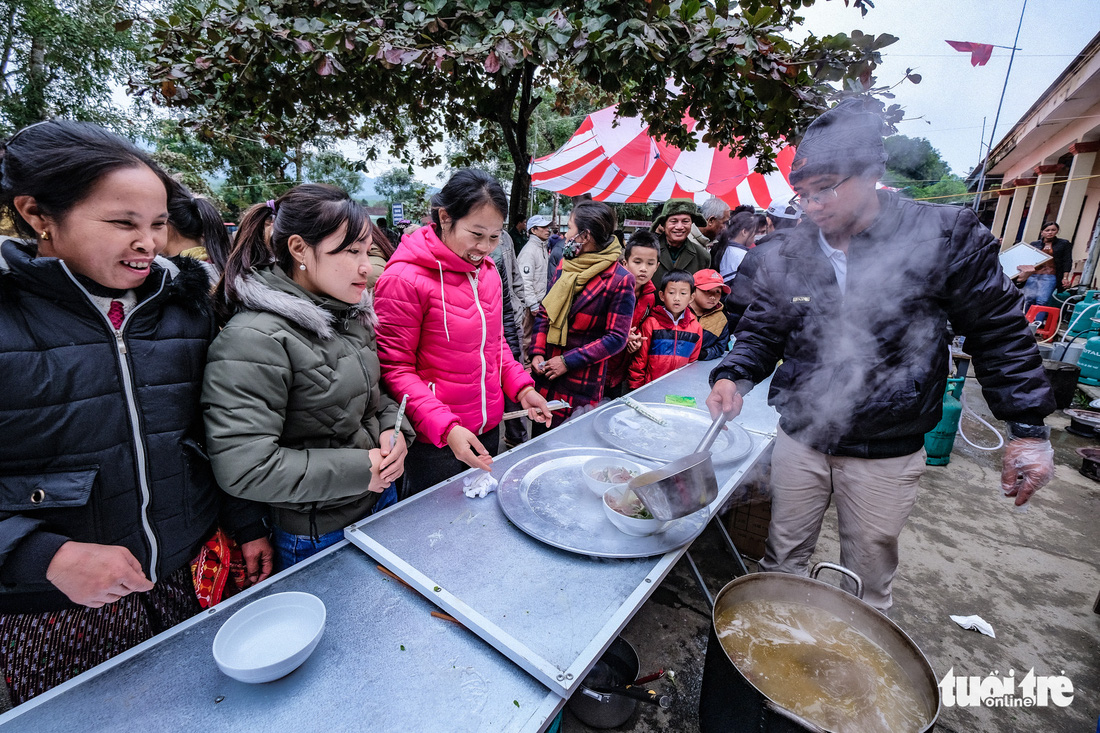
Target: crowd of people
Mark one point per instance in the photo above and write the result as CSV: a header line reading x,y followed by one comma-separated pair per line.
x,y
187,414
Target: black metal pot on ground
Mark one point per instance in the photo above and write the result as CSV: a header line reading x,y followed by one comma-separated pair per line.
x,y
618,666
1090,462
1082,422
729,703
1063,381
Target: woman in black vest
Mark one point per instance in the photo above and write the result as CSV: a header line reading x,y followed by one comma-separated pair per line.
x,y
105,491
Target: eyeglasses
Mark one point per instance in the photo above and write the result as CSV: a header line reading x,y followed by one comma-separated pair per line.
x,y
822,197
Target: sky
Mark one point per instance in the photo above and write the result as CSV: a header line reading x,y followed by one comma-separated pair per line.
x,y
948,105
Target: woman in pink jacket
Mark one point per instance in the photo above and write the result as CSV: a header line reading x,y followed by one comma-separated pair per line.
x,y
441,334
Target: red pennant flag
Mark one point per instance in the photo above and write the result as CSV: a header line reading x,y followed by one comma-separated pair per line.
x,y
979,52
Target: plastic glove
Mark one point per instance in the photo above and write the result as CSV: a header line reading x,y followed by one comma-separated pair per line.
x,y
479,486
1028,466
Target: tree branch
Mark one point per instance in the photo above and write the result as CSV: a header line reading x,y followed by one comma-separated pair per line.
x,y
7,47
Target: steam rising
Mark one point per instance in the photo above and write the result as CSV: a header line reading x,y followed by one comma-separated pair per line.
x,y
886,326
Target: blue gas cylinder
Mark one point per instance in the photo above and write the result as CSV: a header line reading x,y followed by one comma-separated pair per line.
x,y
1089,361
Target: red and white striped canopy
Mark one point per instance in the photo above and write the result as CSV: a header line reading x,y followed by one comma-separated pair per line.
x,y
621,163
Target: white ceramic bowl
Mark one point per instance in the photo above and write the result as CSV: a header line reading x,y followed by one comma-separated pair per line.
x,y
271,637
629,525
600,462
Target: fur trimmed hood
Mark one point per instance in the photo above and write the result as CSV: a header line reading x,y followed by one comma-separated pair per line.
x,y
272,291
186,282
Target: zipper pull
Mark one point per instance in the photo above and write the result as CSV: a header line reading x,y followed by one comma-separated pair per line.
x,y
120,342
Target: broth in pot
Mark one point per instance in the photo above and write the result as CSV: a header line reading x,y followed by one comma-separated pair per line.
x,y
819,667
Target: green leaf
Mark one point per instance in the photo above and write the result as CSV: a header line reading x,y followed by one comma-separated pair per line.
x,y
761,16
884,40
362,68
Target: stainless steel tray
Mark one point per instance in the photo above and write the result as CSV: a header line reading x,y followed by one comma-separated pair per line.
x,y
546,497
626,430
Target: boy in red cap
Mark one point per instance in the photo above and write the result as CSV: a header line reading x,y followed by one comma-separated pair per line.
x,y
706,304
671,337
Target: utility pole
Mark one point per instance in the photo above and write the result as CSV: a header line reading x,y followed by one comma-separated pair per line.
x,y
1094,255
534,154
992,135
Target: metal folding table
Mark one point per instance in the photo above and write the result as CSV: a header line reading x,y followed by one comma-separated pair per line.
x,y
537,618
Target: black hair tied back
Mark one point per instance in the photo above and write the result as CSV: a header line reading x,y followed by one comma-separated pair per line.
x,y
468,189
57,163
313,211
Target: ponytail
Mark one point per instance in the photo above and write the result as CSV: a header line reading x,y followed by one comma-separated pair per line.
x,y
212,231
384,243
196,218
313,211
251,249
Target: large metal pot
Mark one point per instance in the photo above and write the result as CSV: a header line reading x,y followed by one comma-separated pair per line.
x,y
729,703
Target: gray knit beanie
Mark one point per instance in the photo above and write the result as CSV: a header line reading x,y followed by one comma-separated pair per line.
x,y
846,139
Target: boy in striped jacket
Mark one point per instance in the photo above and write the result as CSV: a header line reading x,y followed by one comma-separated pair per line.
x,y
671,336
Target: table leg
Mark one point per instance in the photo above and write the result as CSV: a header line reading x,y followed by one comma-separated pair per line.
x,y
699,579
732,547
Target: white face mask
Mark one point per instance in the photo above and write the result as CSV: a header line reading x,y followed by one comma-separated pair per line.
x,y
758,237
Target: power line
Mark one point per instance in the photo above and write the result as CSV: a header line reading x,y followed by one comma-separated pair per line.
x,y
996,56
1036,184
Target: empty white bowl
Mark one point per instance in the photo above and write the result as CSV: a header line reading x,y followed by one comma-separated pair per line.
x,y
599,463
629,525
271,637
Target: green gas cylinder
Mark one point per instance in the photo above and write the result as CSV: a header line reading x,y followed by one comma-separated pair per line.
x,y
1089,361
941,440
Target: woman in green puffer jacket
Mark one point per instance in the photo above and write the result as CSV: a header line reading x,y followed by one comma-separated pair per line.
x,y
294,413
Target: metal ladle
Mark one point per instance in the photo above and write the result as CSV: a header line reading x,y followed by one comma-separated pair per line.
x,y
683,486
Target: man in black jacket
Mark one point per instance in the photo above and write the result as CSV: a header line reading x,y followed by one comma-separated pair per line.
x,y
856,303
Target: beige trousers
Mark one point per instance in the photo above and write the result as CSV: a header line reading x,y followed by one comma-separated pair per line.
x,y
873,499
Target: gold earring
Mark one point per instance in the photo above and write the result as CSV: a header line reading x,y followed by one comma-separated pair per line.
x,y
45,235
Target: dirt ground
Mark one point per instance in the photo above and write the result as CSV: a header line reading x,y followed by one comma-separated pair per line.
x,y
1034,576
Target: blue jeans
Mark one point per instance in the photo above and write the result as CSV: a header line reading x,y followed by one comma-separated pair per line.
x,y
388,497
1038,289
291,549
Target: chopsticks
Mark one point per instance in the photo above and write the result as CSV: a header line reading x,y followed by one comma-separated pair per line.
x,y
394,577
447,617
552,405
397,425
435,614
642,410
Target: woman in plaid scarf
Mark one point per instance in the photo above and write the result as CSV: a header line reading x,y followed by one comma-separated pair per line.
x,y
585,317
